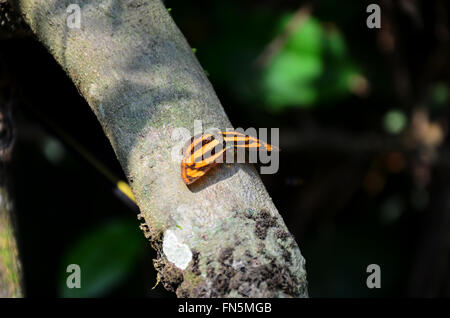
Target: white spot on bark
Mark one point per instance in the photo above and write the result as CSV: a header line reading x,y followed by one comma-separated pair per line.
x,y
237,265
175,250
93,90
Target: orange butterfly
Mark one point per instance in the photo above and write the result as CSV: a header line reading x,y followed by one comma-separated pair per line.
x,y
203,152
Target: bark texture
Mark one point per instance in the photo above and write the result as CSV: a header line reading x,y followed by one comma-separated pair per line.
x,y
220,237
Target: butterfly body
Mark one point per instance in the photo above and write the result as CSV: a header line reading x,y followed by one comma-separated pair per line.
x,y
204,152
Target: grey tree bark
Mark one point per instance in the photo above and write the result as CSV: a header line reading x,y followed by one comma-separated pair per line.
x,y
221,237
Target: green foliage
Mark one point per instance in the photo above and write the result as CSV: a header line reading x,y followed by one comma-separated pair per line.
x,y
313,67
290,76
439,95
394,121
106,255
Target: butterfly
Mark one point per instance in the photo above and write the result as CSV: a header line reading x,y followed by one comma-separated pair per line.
x,y
205,151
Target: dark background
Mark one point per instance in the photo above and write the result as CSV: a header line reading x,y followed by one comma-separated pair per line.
x,y
364,166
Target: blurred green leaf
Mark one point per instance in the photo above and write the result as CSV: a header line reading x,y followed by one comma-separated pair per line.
x,y
394,121
439,94
106,255
336,44
307,39
289,79
312,67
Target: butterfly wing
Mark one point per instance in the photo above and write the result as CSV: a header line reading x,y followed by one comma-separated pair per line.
x,y
203,152
240,140
200,155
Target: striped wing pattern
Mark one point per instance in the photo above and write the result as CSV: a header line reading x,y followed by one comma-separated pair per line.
x,y
202,152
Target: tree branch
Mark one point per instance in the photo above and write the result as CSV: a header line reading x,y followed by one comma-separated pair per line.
x,y
141,79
